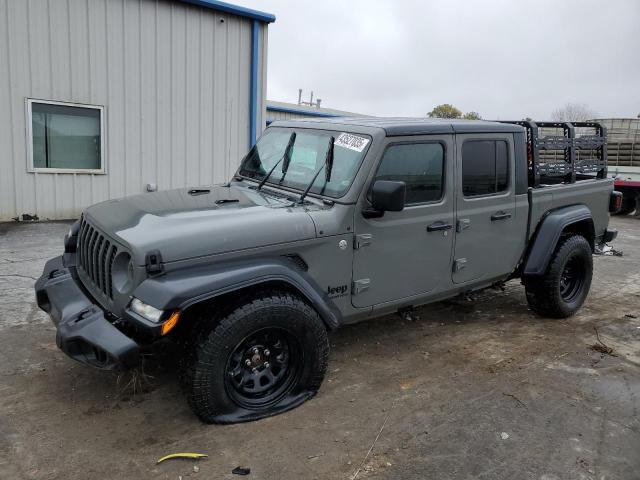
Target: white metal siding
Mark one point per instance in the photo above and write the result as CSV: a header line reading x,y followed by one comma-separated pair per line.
x,y
276,115
173,78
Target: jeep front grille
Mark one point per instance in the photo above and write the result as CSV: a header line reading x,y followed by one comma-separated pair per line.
x,y
95,258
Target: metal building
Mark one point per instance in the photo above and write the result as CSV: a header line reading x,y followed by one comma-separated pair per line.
x,y
293,111
105,98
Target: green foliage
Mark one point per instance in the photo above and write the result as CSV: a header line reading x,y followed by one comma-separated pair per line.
x,y
472,116
446,110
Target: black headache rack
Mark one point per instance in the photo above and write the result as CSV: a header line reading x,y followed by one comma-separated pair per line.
x,y
563,152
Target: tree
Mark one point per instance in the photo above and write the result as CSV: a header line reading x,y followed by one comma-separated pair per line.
x,y
573,112
446,110
472,116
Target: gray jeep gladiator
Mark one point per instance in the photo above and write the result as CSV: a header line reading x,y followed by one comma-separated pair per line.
x,y
327,223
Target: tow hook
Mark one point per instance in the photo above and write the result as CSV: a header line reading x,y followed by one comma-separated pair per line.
x,y
86,313
57,273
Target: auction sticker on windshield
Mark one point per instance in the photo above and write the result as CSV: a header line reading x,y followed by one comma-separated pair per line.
x,y
352,142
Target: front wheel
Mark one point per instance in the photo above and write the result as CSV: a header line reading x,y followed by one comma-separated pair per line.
x,y
266,357
562,290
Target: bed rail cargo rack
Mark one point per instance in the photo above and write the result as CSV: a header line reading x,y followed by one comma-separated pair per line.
x,y
564,158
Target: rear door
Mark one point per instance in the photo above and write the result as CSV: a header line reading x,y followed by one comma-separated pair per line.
x,y
487,238
408,254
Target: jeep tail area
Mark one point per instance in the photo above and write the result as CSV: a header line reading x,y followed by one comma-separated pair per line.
x,y
327,223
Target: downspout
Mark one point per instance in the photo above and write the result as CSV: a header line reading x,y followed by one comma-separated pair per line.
x,y
253,84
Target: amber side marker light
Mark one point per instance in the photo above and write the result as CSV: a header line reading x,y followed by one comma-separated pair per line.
x,y
169,324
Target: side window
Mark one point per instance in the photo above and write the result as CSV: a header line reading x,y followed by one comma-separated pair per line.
x,y
419,165
485,167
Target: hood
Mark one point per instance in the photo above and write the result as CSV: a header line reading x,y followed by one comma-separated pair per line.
x,y
188,223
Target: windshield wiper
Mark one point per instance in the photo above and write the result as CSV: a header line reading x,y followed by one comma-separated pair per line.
x,y
328,165
286,157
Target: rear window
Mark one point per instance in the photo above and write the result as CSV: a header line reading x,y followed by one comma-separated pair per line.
x,y
485,167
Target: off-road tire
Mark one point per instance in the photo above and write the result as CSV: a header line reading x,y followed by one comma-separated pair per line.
x,y
548,295
214,347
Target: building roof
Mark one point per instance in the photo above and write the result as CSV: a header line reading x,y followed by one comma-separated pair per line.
x,y
307,110
415,126
233,9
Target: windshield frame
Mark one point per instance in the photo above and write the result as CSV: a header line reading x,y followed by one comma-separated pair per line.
x,y
329,132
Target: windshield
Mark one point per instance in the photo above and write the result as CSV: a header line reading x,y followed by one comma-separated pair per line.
x,y
308,154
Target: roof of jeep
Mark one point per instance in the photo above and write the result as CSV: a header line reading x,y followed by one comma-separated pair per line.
x,y
408,126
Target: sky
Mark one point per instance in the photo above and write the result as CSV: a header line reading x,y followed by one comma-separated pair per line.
x,y
503,59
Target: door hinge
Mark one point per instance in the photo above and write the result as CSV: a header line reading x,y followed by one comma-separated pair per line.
x,y
462,224
362,240
459,264
360,286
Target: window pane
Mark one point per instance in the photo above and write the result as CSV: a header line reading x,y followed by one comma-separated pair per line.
x,y
419,165
66,137
478,168
38,130
502,166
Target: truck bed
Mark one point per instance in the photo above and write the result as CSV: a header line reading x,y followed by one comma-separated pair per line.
x,y
593,193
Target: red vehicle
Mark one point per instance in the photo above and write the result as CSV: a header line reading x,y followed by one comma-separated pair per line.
x,y
627,182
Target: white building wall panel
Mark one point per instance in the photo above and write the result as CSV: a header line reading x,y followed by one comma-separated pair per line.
x,y
277,115
173,78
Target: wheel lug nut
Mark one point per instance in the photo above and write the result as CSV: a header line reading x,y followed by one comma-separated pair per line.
x,y
247,362
267,364
255,350
267,353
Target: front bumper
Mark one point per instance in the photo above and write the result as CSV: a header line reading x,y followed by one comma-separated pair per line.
x,y
83,332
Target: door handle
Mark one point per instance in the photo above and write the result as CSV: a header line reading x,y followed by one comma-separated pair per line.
x,y
439,226
500,216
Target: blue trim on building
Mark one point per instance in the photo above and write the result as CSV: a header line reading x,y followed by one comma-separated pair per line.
x,y
308,113
253,84
233,9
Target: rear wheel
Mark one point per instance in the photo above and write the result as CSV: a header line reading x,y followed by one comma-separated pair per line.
x,y
267,356
562,290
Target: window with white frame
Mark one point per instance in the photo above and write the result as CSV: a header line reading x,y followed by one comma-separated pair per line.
x,y
65,137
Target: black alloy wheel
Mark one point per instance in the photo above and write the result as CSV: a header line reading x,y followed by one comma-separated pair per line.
x,y
263,367
572,279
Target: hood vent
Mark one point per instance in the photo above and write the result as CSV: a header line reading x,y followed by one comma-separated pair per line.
x,y
198,191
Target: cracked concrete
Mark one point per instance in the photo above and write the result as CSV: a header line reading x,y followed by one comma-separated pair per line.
x,y
481,389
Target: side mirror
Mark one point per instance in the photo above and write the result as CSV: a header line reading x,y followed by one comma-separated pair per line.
x,y
386,196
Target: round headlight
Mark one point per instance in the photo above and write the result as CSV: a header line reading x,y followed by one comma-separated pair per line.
x,y
122,273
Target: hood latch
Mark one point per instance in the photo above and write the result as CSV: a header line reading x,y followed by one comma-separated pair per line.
x,y
153,262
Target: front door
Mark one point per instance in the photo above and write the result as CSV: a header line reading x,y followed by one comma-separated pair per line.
x,y
408,254
487,235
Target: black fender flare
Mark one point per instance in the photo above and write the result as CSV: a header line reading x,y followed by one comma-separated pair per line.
x,y
548,233
185,287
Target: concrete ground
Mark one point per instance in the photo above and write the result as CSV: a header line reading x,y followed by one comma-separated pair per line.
x,y
481,389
